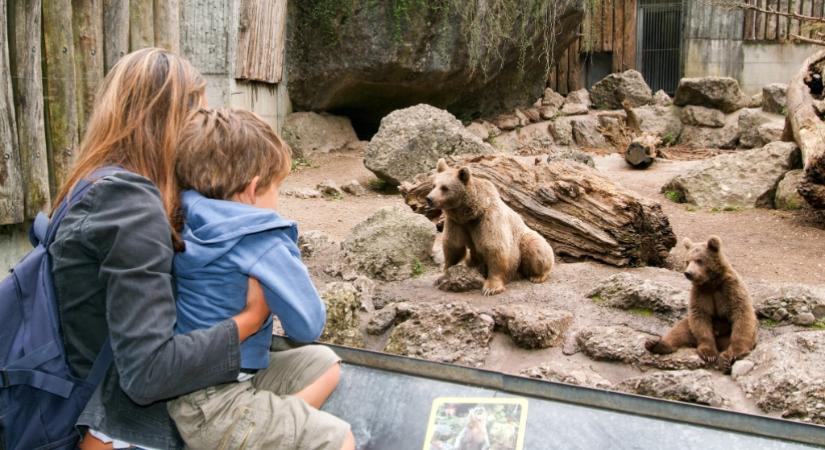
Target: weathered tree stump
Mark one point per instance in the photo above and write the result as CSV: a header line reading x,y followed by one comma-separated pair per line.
x,y
579,212
808,127
641,152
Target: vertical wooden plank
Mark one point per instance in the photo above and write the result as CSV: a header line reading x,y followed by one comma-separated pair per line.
x,y
618,35
562,79
574,80
26,66
759,23
141,24
629,58
167,24
607,33
771,22
597,25
60,88
782,26
11,181
261,41
552,77
816,11
116,30
806,9
87,19
748,25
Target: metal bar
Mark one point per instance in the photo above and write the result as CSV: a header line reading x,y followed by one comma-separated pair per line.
x,y
763,426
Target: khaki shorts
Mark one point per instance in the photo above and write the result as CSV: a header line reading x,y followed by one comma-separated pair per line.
x,y
260,413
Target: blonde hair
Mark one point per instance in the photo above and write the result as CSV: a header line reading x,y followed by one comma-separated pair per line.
x,y
139,110
220,151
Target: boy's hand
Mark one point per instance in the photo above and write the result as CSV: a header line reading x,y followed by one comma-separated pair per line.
x,y
255,313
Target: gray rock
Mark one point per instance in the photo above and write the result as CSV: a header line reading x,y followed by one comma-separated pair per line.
x,y
577,377
329,188
787,197
805,319
302,193
754,101
750,120
531,326
527,139
444,332
617,87
389,245
744,179
309,133
383,319
741,368
343,301
411,140
353,187
661,98
797,304
533,114
552,98
587,132
569,154
694,386
789,376
460,278
624,344
549,112
577,102
704,137
712,92
703,117
562,130
574,109
312,242
480,129
774,98
626,291
506,122
662,121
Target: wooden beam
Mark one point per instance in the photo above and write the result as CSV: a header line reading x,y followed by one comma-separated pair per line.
x,y
167,24
759,23
87,18
574,64
749,29
563,67
26,66
771,26
141,24
629,58
116,30
11,182
60,89
618,35
261,41
607,32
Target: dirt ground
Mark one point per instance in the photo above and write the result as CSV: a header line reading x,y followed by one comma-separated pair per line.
x,y
765,246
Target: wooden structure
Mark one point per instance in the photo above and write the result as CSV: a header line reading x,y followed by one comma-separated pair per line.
x,y
767,27
806,105
609,27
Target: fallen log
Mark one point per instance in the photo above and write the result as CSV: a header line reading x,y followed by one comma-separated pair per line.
x,y
579,212
804,94
641,152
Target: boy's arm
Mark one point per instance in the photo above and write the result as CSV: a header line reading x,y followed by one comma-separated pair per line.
x,y
290,293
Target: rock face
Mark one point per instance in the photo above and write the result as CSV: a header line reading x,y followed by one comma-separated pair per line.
x,y
787,196
452,332
389,245
366,58
617,87
581,377
721,93
411,140
744,179
752,122
703,117
312,242
626,291
795,304
460,278
343,302
694,386
620,343
661,98
789,376
569,154
532,327
704,137
774,98
309,133
587,133
576,103
662,121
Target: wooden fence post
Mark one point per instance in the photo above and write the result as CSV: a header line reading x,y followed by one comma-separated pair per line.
x,y
167,25
26,66
11,184
116,30
87,17
61,89
141,24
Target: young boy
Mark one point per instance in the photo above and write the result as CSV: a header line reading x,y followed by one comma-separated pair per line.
x,y
231,164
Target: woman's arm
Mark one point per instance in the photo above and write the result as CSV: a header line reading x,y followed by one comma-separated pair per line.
x,y
128,229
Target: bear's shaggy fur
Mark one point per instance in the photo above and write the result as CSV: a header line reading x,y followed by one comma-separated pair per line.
x,y
480,228
720,318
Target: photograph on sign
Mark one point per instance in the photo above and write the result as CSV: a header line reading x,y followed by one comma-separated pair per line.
x,y
476,423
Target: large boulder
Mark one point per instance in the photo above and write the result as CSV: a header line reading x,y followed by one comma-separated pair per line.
x,y
774,98
577,102
411,140
624,344
531,326
308,133
460,278
452,332
578,377
612,90
721,93
662,121
630,292
788,376
801,305
366,58
694,386
390,245
743,179
726,136
787,196
753,122
700,116
587,132
343,301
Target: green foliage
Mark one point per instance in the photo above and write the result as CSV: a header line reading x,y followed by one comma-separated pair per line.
x,y
668,139
382,187
768,323
690,208
641,312
301,163
597,298
674,196
417,268
819,325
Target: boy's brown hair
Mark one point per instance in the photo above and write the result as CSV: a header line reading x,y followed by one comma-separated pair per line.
x,y
221,150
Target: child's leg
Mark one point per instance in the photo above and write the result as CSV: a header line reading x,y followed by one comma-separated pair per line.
x,y
310,372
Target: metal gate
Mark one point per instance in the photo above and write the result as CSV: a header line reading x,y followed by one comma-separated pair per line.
x,y
659,43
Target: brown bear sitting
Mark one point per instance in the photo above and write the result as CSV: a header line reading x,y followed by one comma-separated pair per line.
x,y
500,244
720,318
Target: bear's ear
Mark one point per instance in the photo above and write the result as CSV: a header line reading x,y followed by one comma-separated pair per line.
x,y
442,165
688,243
714,243
464,175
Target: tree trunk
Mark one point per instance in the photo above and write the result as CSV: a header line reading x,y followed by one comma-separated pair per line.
x,y
116,30
141,24
28,101
11,183
580,213
808,128
167,25
61,91
641,152
87,16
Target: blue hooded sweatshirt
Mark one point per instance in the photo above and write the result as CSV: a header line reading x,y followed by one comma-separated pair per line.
x,y
226,243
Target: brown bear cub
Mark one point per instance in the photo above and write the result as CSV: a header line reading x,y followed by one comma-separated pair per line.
x,y
720,317
480,228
